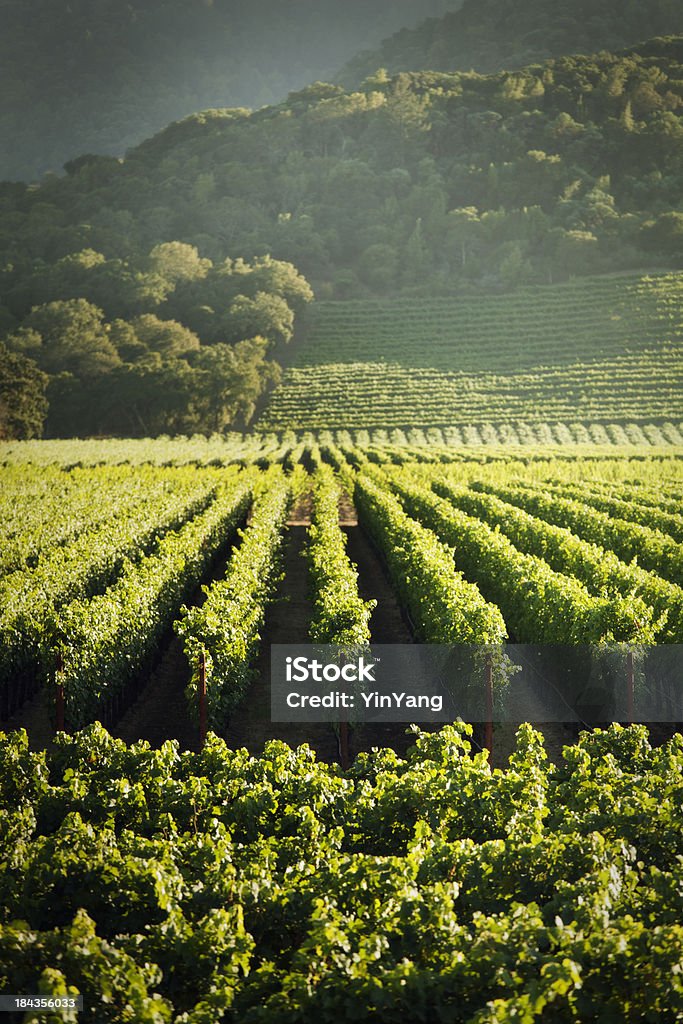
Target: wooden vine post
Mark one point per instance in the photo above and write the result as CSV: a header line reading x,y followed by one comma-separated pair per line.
x,y
202,700
630,687
488,679
59,695
343,733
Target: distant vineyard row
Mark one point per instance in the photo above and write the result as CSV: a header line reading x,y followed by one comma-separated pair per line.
x,y
290,446
607,349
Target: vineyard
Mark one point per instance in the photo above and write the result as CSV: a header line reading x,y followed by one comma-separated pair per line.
x,y
101,565
219,887
602,352
356,872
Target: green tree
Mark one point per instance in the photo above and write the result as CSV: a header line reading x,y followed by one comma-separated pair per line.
x,y
73,338
178,261
266,315
664,234
167,337
23,404
229,380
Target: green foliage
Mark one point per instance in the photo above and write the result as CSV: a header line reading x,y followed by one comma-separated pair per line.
x,y
276,889
487,36
341,616
23,405
653,549
223,633
91,528
104,643
444,606
598,569
538,604
66,336
428,181
146,372
600,350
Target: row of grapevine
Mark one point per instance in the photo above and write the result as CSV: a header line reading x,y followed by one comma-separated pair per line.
x,y
444,607
480,441
103,643
653,550
30,599
599,570
221,636
539,605
381,394
217,450
525,328
46,508
636,494
340,614
460,361
670,523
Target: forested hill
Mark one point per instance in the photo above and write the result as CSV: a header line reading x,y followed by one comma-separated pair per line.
x,y
77,76
430,181
164,286
489,35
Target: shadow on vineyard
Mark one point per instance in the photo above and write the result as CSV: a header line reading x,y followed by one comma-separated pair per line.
x,y
287,622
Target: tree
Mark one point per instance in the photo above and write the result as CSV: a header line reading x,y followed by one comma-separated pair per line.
x,y
416,257
377,267
462,232
73,338
576,252
266,315
23,405
229,380
664,234
167,337
178,261
280,278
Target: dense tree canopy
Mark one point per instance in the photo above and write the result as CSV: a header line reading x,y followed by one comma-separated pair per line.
x,y
150,373
23,404
419,180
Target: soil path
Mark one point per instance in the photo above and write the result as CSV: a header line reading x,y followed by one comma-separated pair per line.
x,y
36,718
388,625
160,711
287,622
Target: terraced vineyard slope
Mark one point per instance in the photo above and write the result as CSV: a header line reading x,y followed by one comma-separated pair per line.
x,y
602,351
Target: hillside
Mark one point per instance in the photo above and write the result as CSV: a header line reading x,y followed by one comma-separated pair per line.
x,y
487,35
601,351
131,283
77,77
428,180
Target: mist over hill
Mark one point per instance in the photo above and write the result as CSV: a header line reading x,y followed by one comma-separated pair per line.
x,y
79,77
489,35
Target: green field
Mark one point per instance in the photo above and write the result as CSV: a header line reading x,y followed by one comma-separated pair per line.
x,y
598,351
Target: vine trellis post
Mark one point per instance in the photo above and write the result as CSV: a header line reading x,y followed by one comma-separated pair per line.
x,y
202,700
